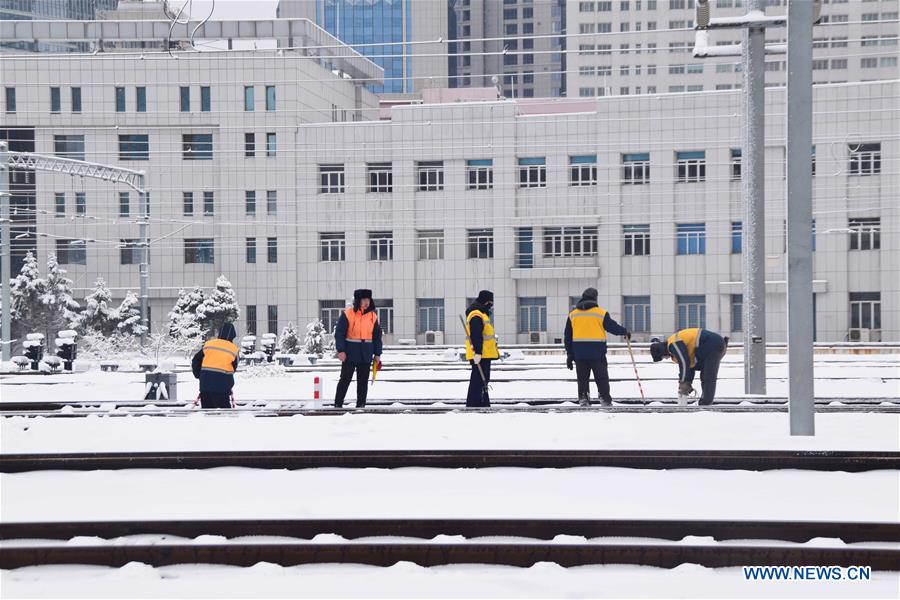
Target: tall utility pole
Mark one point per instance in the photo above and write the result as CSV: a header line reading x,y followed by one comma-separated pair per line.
x,y
6,261
798,200
144,267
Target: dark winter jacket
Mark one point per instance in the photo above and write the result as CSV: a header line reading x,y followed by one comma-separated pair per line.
x,y
708,343
476,326
212,382
359,353
590,350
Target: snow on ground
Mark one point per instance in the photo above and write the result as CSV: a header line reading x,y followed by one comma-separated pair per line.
x,y
407,580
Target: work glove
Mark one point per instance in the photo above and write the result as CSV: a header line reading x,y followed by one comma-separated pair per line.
x,y
570,362
476,359
627,335
686,389
378,363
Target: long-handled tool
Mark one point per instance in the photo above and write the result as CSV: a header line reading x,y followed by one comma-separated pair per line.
x,y
636,376
484,383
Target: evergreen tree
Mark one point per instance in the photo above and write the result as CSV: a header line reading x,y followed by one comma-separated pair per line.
x,y
62,309
128,317
289,342
184,323
219,307
315,342
98,314
27,309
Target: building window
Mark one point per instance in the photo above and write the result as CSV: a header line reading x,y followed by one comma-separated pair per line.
x,y
737,312
332,247
636,312
10,100
271,145
270,98
199,251
690,166
134,147
525,247
55,100
71,252
480,243
735,164
637,239
76,99
197,146
273,318
128,253
737,238
691,238
331,179
636,168
251,319
480,174
205,99
429,314
248,98
430,175
865,233
583,170
185,98
385,311
532,172
330,312
124,204
532,314
60,204
188,203
120,99
80,203
570,241
250,247
272,202
430,243
140,99
249,145
865,159
380,178
69,146
272,249
209,204
865,311
381,245
250,203
691,311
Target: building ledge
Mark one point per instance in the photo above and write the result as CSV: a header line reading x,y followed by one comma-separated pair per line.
x,y
820,286
555,273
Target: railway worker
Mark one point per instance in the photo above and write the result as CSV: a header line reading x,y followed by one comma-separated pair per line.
x,y
357,339
214,365
481,348
694,349
585,340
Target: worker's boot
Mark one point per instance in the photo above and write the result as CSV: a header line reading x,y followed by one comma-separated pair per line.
x,y
584,399
606,401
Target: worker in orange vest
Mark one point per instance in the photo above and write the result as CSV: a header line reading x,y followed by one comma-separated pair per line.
x,y
357,339
694,349
214,365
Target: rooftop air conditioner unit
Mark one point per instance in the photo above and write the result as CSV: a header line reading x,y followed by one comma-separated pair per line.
x,y
434,338
537,337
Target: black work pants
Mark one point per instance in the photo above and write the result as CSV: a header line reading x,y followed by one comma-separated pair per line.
x,y
709,375
362,383
477,396
584,368
215,400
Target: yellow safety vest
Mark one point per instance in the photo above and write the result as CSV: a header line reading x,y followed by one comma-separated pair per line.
x,y
690,337
218,356
489,344
587,325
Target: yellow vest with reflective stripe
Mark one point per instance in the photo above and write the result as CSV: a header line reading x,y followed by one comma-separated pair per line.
x,y
489,344
587,325
218,356
690,337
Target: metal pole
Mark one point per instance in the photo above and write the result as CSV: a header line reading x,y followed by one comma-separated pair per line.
x,y
6,249
753,148
798,199
145,254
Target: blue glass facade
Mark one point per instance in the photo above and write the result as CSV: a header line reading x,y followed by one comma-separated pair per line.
x,y
374,22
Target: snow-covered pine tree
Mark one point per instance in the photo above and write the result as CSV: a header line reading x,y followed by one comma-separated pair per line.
x,y
27,309
62,309
289,342
315,342
219,307
128,317
98,314
184,322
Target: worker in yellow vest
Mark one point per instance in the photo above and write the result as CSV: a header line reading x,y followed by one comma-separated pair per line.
x,y
694,349
481,348
214,365
357,339
585,341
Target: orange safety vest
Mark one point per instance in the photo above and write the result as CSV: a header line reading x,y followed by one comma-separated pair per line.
x,y
360,325
219,356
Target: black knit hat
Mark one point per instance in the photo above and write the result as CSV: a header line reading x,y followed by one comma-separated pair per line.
x,y
485,296
657,349
362,293
590,294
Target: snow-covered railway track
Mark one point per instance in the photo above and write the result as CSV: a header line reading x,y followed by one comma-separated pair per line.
x,y
751,460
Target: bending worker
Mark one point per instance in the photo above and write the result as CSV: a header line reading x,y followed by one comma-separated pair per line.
x,y
585,340
214,365
481,348
694,350
357,339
